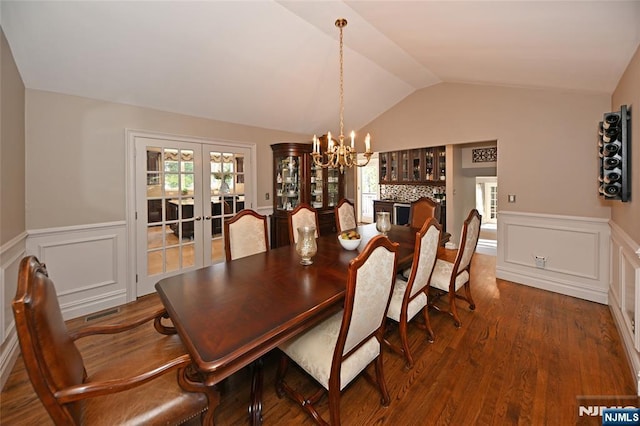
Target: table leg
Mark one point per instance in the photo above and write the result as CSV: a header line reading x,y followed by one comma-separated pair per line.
x,y
255,405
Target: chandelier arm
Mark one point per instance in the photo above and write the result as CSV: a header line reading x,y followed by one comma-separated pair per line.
x,y
317,159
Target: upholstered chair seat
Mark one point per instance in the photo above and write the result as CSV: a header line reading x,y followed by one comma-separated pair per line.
x,y
395,307
410,296
442,276
313,351
342,346
448,278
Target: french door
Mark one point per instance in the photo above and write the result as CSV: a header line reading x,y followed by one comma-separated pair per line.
x,y
184,192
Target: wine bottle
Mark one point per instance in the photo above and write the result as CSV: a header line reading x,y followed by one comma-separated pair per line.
x,y
611,163
611,177
612,190
610,120
610,135
610,149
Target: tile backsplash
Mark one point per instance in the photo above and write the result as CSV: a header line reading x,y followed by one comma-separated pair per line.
x,y
409,193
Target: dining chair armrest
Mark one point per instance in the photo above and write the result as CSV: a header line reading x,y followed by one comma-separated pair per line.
x,y
100,388
156,316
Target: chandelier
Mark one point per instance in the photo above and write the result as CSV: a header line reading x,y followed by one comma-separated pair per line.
x,y
340,155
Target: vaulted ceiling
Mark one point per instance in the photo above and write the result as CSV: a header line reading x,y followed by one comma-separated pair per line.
x,y
275,64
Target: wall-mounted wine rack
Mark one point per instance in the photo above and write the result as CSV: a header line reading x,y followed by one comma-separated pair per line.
x,y
614,144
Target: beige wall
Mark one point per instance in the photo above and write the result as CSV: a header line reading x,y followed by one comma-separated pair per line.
x,y
627,215
76,152
12,147
547,153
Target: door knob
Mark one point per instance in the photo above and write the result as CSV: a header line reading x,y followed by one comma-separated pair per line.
x,y
198,218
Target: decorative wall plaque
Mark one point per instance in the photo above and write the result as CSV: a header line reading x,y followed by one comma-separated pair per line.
x,y
484,155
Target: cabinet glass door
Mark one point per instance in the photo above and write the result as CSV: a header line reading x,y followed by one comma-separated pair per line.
x,y
404,166
442,163
384,166
317,196
416,165
288,182
333,186
394,166
429,164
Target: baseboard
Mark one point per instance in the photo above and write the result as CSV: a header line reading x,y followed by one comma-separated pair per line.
x,y
568,288
8,357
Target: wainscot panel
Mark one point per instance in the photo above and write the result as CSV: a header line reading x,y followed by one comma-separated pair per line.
x,y
624,294
10,255
564,254
88,265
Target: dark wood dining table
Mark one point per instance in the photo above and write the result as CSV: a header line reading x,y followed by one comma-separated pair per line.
x,y
230,314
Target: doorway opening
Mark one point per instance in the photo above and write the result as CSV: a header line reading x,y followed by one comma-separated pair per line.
x,y
487,205
368,188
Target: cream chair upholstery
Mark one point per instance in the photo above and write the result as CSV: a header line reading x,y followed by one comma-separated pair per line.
x,y
338,349
448,278
345,215
410,297
245,234
302,215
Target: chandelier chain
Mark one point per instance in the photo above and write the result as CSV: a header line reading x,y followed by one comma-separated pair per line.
x,y
341,88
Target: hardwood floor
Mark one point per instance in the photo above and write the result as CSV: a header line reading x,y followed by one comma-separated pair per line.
x,y
524,356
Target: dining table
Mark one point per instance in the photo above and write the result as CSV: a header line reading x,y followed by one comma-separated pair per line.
x,y
230,314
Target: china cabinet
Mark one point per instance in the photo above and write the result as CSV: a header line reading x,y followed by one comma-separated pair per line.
x,y
298,180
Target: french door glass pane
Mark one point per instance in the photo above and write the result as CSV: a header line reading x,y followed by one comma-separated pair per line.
x,y
170,214
227,194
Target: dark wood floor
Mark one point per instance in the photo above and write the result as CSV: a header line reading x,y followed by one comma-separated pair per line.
x,y
523,357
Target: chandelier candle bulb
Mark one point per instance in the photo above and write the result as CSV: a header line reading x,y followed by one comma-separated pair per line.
x,y
353,135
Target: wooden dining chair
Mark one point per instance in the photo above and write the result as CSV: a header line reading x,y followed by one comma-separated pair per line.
x,y
448,278
410,297
345,214
341,347
153,384
422,210
245,234
302,215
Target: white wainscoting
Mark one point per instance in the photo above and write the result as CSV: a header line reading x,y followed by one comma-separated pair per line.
x,y
563,254
624,294
10,255
88,265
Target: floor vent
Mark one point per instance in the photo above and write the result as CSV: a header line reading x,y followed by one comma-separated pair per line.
x,y
101,314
